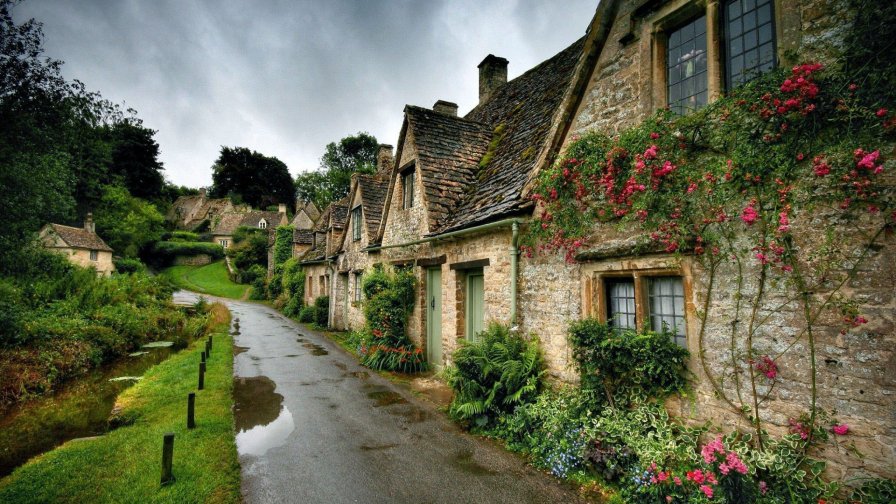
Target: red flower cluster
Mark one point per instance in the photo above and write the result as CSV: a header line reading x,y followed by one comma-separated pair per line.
x,y
797,427
767,366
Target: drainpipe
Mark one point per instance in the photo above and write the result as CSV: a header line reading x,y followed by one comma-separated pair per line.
x,y
330,307
514,267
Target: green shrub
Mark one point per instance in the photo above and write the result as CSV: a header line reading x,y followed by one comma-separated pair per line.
x,y
164,252
322,311
293,307
282,244
181,236
275,283
494,375
626,366
259,289
308,314
293,279
124,265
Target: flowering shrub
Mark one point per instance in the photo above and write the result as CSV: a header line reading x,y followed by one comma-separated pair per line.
x,y
389,301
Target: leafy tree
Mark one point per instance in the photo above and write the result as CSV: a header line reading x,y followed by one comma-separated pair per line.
x,y
135,160
251,177
126,223
352,154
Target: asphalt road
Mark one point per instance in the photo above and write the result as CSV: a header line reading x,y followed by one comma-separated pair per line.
x,y
314,426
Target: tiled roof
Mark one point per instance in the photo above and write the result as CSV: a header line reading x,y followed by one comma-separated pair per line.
x,y
323,222
316,254
373,197
80,238
339,213
303,236
449,149
519,114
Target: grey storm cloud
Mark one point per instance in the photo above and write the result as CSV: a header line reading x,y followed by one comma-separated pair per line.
x,y
287,77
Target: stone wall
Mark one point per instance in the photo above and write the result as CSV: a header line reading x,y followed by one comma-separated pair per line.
x,y
193,260
103,264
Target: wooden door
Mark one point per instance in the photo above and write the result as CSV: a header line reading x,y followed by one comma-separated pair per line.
x,y
434,316
475,309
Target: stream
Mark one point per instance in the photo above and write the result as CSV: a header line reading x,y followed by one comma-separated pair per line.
x,y
77,409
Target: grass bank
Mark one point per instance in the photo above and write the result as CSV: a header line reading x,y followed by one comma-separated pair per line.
x,y
125,464
209,279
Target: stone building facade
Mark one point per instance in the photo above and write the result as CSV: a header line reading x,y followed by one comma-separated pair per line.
x,y
458,197
81,246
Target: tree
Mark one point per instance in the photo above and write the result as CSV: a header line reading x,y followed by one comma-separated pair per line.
x,y
251,177
127,224
135,160
352,154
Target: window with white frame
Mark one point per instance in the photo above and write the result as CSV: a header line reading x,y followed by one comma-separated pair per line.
x,y
665,302
262,224
621,303
223,243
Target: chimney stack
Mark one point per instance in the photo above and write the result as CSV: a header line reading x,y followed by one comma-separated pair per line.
x,y
281,208
445,107
384,159
492,73
202,192
88,222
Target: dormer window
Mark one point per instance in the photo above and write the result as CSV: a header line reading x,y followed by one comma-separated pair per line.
x,y
262,224
407,188
356,223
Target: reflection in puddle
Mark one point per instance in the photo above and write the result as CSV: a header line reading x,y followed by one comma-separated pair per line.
x,y
315,349
239,349
262,421
386,398
465,462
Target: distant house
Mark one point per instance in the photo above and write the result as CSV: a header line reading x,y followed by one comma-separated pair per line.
x,y
306,215
199,213
81,246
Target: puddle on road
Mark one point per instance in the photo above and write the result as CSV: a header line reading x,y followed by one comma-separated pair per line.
x,y
386,398
315,349
239,349
366,447
340,365
361,375
262,421
413,415
464,461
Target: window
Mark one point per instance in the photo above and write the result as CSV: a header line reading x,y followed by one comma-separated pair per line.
x,y
94,255
687,80
638,301
407,188
224,243
356,223
666,306
262,224
749,40
621,304
357,291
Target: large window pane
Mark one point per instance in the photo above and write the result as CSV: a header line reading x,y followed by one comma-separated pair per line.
x,y
621,304
666,310
750,24
686,62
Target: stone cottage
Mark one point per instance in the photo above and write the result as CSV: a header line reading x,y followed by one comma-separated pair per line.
x,y
81,246
325,240
200,213
459,195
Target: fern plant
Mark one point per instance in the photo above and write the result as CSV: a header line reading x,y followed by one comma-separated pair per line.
x,y
494,375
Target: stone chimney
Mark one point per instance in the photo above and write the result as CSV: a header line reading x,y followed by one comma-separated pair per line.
x,y
384,159
492,73
88,223
281,208
446,107
202,192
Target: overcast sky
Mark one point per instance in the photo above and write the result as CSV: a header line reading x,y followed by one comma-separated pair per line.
x,y
287,77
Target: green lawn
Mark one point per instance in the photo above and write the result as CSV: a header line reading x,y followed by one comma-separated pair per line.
x,y
125,464
209,279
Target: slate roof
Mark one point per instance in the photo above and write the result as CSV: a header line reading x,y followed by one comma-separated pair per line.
x,y
373,196
449,149
251,219
229,222
316,254
339,213
303,236
519,114
80,238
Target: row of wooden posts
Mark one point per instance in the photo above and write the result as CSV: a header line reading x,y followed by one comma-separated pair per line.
x,y
168,438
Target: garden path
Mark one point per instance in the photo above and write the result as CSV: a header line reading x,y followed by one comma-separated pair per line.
x,y
315,426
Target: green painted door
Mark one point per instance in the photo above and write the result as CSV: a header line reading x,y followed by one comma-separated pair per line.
x,y
475,310
434,316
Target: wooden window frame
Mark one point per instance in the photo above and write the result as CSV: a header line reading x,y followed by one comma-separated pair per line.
x,y
356,223
408,180
356,293
595,303
94,255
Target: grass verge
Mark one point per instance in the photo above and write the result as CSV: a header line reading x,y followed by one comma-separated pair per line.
x,y
125,464
209,279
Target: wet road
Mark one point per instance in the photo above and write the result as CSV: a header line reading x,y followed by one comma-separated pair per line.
x,y
313,426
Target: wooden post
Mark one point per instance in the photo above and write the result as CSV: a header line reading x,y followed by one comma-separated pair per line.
x,y
167,458
208,348
210,337
201,375
191,410
202,356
